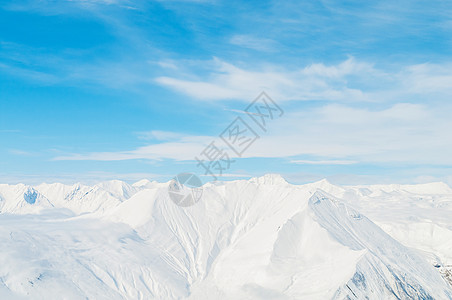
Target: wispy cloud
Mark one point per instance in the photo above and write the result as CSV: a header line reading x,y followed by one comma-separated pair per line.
x,y
402,133
337,134
159,135
346,82
185,148
313,82
324,162
21,152
29,74
66,7
255,43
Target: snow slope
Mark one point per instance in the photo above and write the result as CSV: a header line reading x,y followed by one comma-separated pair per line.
x,y
261,238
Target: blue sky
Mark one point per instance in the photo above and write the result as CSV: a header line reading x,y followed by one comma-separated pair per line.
x,y
94,90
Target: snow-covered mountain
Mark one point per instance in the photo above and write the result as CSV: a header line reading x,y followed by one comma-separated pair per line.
x,y
261,238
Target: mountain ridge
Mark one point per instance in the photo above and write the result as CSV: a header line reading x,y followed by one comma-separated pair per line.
x,y
259,238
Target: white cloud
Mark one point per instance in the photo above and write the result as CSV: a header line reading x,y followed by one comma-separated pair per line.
x,y
255,43
159,135
185,148
314,82
333,134
345,82
390,129
201,90
324,162
401,133
21,152
432,78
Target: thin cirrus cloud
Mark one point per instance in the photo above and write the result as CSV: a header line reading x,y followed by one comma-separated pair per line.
x,y
313,82
21,152
348,81
396,128
179,148
255,43
159,135
403,133
324,162
334,134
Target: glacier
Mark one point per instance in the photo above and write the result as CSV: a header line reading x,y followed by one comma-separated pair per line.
x,y
261,238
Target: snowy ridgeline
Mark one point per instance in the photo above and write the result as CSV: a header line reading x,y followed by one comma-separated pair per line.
x,y
252,239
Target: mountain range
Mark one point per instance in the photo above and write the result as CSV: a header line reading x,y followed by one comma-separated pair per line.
x,y
261,238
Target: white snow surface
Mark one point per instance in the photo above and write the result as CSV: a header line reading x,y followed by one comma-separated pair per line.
x,y
261,238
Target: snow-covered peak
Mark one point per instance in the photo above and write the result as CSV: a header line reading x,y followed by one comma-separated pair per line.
x,y
141,183
146,184
325,185
397,269
269,179
437,188
114,185
118,188
428,188
22,199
